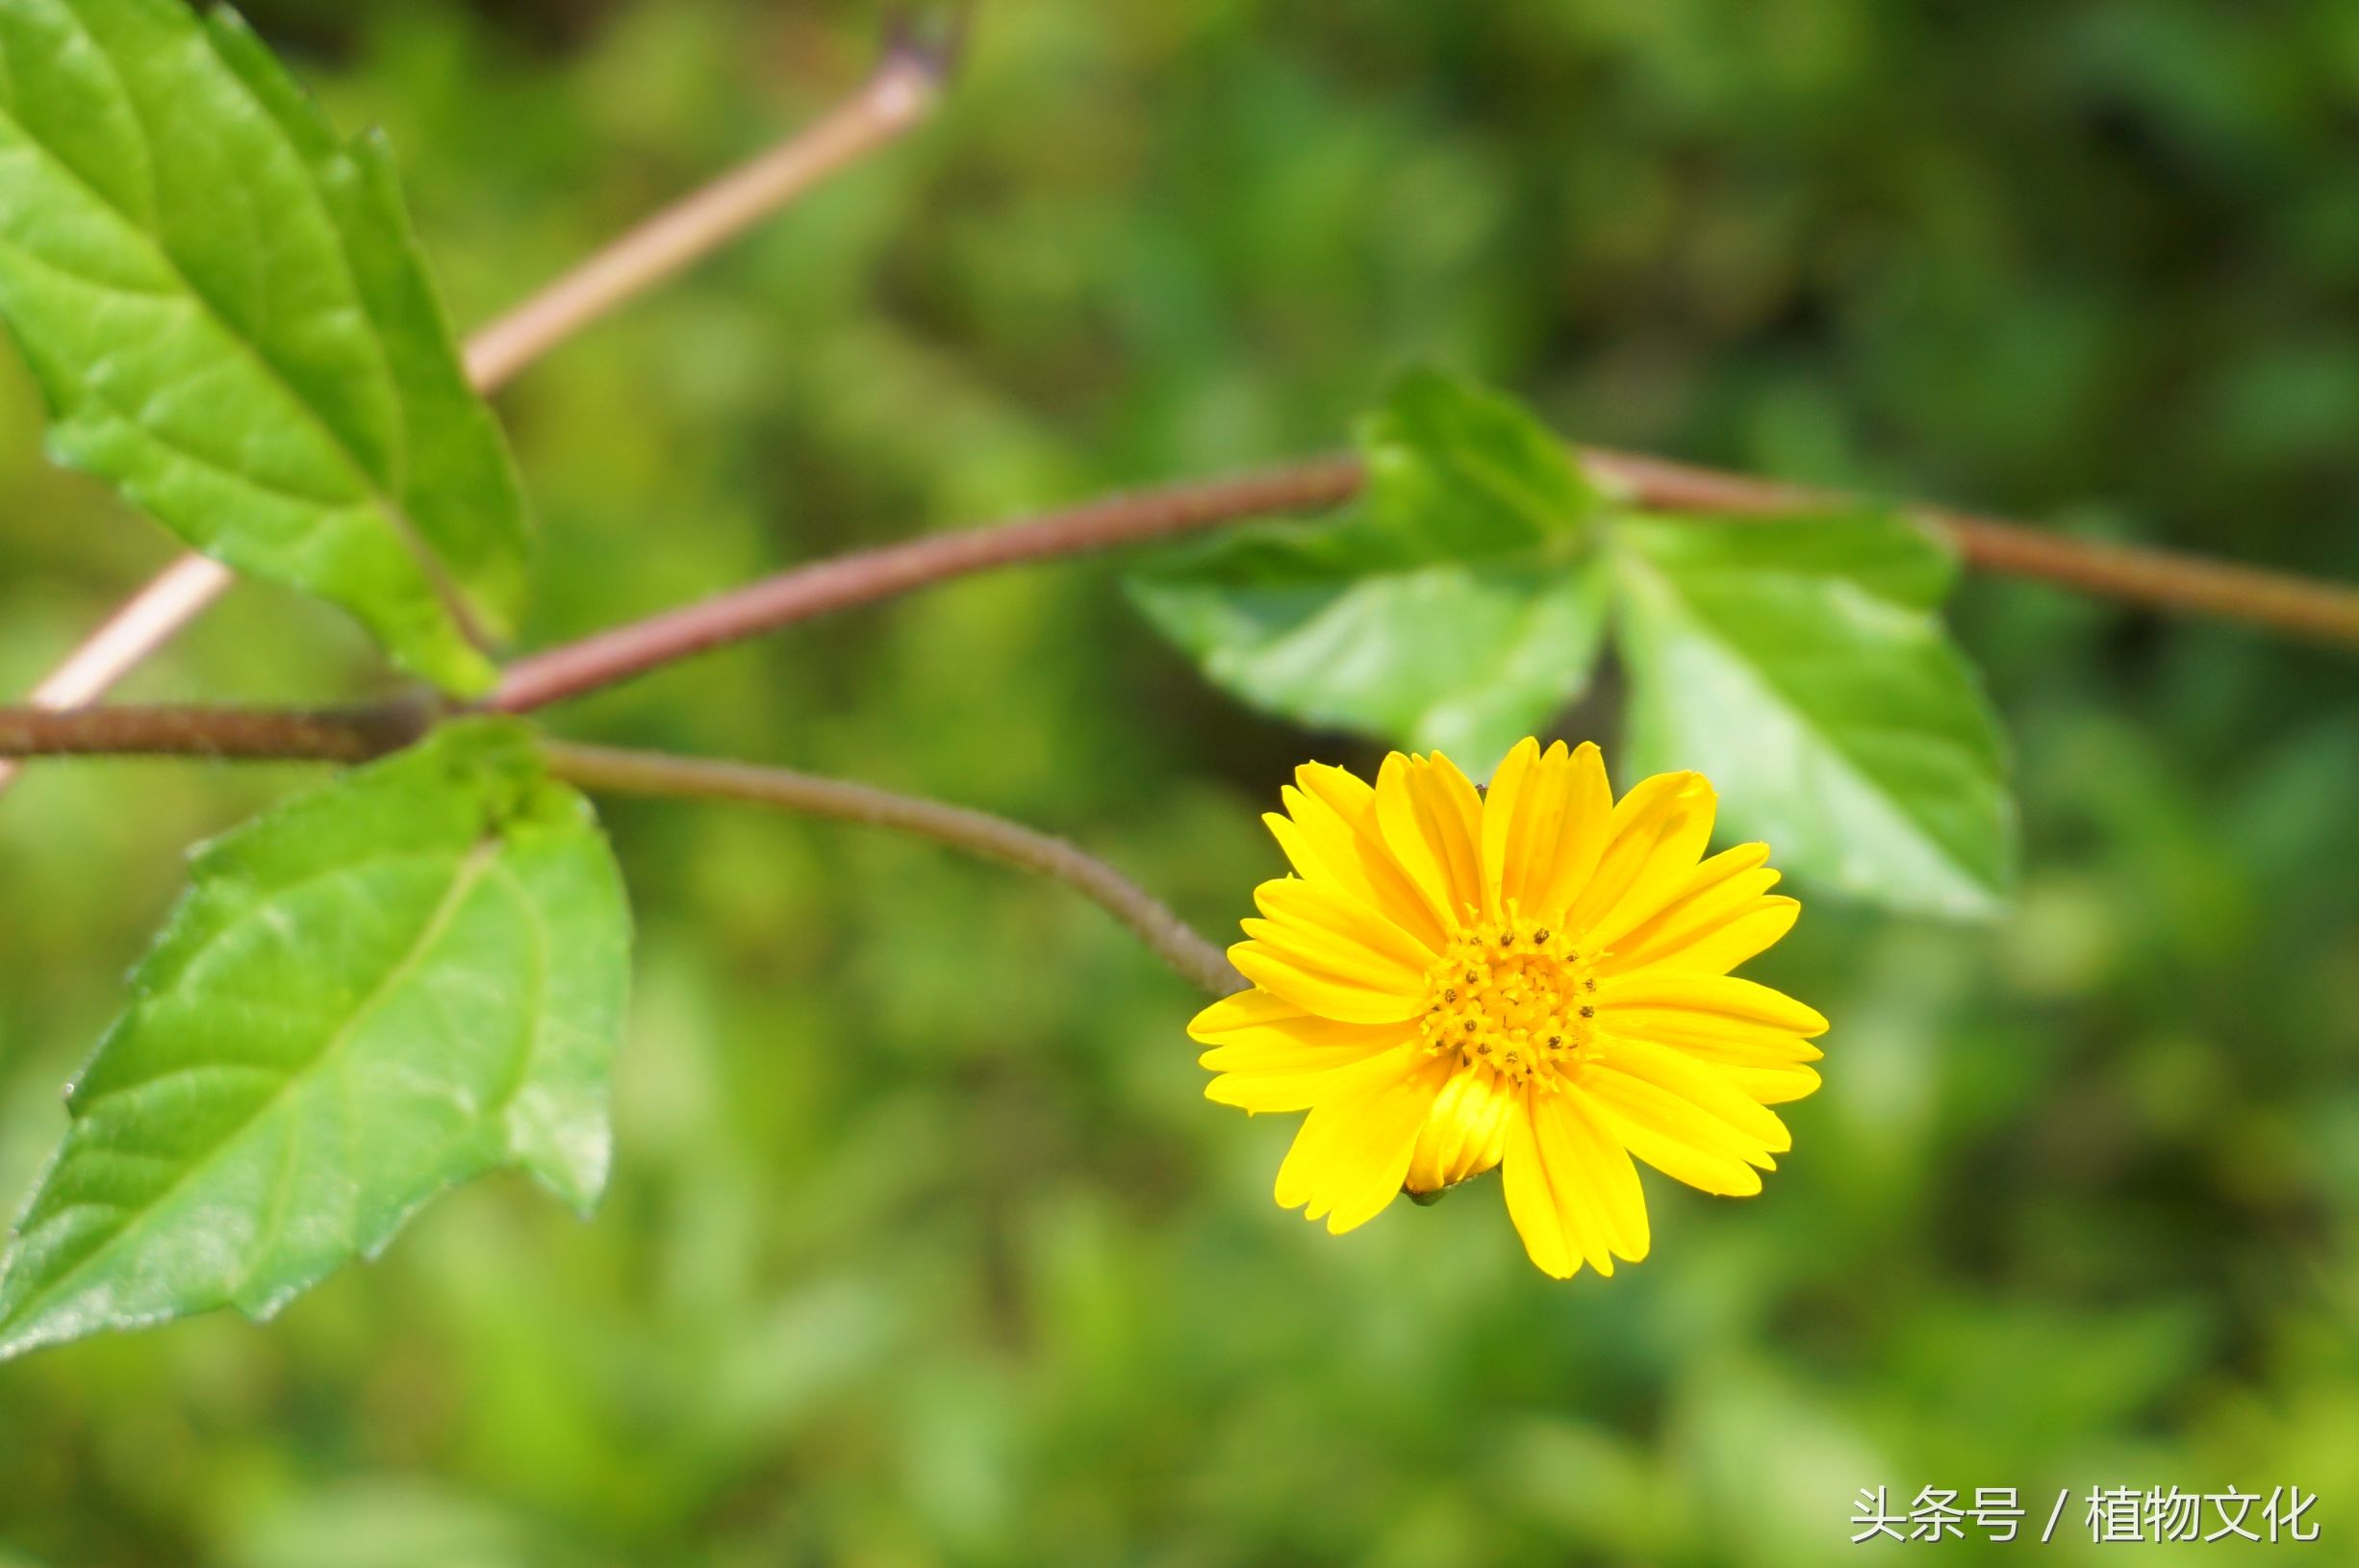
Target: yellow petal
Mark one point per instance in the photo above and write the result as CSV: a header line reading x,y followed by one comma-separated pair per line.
x,y
1272,1053
1330,835
1466,1131
1773,1085
1764,1049
1555,828
1304,1166
1327,952
1716,1006
1499,817
1265,1036
1713,892
1353,1078
1702,1085
1313,907
1762,1062
1343,790
1580,1151
1747,935
1549,1236
1370,1171
1431,820
1242,1010
1656,835
1349,1159
1320,991
1258,1019
1278,1060
1674,1135
1560,1214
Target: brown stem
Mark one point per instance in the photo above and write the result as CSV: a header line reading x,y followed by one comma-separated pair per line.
x,y
357,735
796,595
172,598
344,735
894,99
2327,611
1170,938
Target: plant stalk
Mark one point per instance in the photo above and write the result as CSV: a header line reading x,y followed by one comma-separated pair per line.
x,y
2300,607
606,770
341,734
358,735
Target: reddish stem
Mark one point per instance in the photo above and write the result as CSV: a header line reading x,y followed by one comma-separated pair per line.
x,y
2326,612
618,655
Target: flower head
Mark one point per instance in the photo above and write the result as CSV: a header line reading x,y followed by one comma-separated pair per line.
x,y
1535,979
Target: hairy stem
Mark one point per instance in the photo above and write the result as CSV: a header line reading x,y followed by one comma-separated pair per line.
x,y
607,771
895,98
2324,611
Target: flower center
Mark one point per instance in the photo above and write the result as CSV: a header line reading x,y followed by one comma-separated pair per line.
x,y
1514,996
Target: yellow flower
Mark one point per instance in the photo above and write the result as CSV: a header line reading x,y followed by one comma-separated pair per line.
x,y
1536,979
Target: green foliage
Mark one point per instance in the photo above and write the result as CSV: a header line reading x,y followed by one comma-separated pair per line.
x,y
1455,607
393,984
921,1247
1800,662
1797,660
233,325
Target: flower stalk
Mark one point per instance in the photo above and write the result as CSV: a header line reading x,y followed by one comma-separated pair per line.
x,y
361,734
605,770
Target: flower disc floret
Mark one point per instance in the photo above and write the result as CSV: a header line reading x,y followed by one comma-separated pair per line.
x,y
1514,998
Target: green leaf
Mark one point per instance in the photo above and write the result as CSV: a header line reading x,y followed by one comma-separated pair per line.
x,y
232,322
1458,607
1800,663
1464,470
401,981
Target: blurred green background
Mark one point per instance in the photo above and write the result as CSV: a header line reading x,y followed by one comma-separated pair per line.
x,y
923,1247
